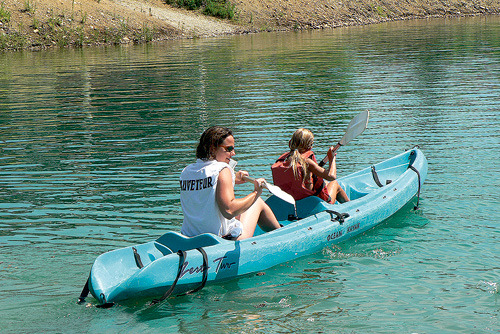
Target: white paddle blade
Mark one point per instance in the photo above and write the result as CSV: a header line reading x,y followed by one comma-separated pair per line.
x,y
356,127
276,191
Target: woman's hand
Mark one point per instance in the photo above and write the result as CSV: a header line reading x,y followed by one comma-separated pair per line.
x,y
229,205
258,185
239,176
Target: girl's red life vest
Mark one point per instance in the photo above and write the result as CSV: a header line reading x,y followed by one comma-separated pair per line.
x,y
284,178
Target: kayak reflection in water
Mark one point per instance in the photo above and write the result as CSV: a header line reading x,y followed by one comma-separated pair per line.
x,y
298,173
207,192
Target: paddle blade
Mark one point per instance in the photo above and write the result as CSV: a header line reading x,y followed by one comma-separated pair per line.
x,y
276,191
356,127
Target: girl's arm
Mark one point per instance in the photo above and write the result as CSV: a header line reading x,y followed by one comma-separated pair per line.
x,y
329,174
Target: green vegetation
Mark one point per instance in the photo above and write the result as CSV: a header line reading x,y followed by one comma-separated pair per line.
x,y
29,7
54,21
381,12
4,14
146,34
188,4
223,9
14,40
67,31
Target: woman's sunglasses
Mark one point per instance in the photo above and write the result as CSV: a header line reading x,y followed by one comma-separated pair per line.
x,y
228,148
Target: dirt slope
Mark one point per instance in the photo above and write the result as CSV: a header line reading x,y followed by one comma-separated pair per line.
x,y
46,23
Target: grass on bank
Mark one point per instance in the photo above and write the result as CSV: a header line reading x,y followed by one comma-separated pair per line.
x,y
60,29
75,37
4,14
44,29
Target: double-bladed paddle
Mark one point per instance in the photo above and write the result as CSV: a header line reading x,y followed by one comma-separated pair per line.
x,y
355,128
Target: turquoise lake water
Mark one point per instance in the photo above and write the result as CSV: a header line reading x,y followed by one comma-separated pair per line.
x,y
93,142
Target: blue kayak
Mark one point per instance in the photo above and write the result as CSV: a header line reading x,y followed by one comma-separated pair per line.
x,y
174,264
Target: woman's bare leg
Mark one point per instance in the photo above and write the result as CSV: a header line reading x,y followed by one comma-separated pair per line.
x,y
259,213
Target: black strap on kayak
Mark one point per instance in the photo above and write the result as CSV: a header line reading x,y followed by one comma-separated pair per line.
x,y
85,293
340,217
182,259
419,185
205,270
375,177
377,180
137,258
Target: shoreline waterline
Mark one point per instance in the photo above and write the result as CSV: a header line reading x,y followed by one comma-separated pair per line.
x,y
38,25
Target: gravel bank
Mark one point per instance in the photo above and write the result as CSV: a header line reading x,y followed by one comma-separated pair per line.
x,y
38,24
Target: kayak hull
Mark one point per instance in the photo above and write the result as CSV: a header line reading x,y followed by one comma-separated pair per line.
x,y
176,264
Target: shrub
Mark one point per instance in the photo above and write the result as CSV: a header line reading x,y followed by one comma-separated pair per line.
x,y
188,4
218,8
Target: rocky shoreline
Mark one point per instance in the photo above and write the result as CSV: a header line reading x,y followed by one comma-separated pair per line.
x,y
40,24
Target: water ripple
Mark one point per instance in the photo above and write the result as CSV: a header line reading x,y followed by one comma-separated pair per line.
x,y
93,142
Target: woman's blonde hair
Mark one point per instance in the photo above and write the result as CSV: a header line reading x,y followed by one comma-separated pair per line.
x,y
302,141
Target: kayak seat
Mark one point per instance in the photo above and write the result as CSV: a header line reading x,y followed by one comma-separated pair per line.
x,y
305,207
146,253
355,193
310,206
176,241
358,190
280,208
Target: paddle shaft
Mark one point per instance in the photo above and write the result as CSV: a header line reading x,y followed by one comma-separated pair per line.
x,y
325,159
248,178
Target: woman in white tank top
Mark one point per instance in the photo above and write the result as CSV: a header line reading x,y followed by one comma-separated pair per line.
x,y
207,192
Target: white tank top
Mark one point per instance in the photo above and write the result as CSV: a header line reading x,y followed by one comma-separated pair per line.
x,y
198,183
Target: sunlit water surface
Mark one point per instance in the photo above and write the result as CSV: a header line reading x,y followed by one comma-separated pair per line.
x,y
93,142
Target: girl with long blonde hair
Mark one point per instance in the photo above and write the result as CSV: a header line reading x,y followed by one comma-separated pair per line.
x,y
297,172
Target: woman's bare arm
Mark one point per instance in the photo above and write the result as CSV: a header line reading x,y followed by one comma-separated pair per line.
x,y
229,205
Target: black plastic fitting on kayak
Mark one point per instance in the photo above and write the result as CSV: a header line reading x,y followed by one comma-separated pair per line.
x,y
340,217
137,258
